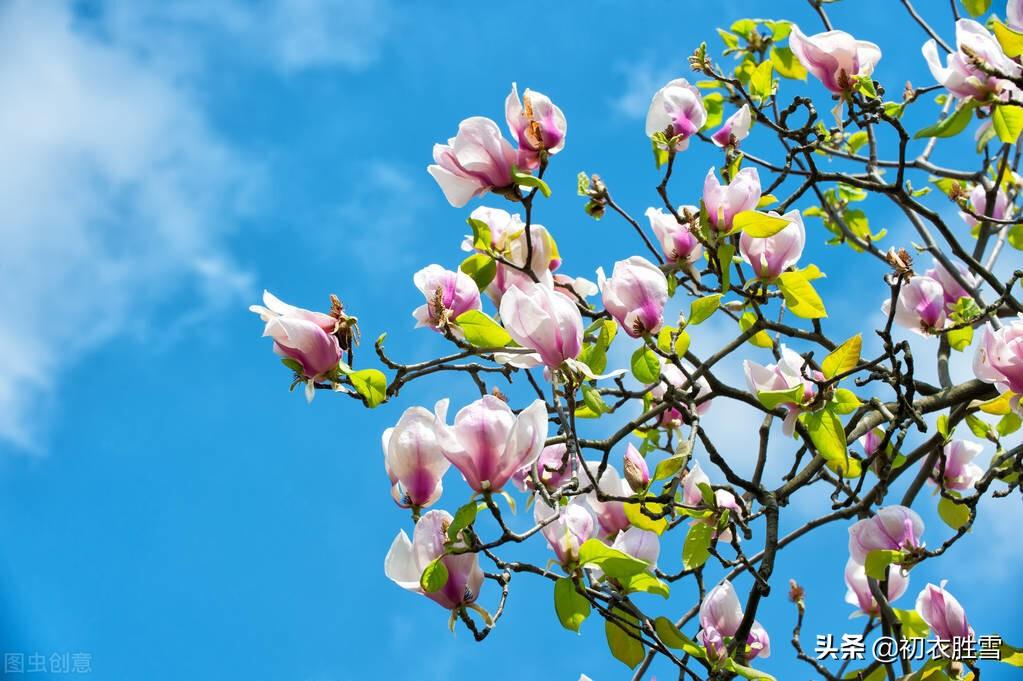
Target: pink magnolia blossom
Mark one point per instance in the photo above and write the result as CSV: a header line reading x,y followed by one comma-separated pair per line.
x,y
637,473
953,289
978,204
785,375
871,440
893,528
672,376
551,469
473,162
610,514
961,75
301,335
635,295
488,443
574,288
406,560
723,202
1014,14
960,472
536,123
677,240
692,497
943,613
920,306
508,238
999,358
539,319
413,457
859,593
641,544
691,494
448,294
720,617
572,526
735,129
834,57
772,255
676,110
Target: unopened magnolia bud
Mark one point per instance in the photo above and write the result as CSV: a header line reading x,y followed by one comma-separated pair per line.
x,y
796,592
637,473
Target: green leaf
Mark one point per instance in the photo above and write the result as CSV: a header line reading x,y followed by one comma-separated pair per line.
x,y
951,125
856,140
759,225
714,103
646,583
845,401
786,64
828,437
773,398
702,308
371,384
747,672
682,344
1008,424
481,269
633,511
482,331
593,400
660,152
977,7
1011,655
761,82
623,646
943,427
1009,38
645,366
464,517
725,253
843,358
1015,237
613,562
761,339
571,606
978,426
434,577
879,674
730,40
955,515
481,236
696,549
913,626
669,467
800,296
1008,122
960,339
672,637
878,561
293,364
532,181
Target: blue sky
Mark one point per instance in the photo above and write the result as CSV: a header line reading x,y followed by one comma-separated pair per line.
x,y
165,504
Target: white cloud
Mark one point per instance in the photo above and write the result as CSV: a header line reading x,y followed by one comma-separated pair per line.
x,y
642,80
115,193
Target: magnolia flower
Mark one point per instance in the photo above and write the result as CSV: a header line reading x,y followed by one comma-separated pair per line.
x,y
999,358
692,497
406,561
735,129
578,288
413,457
691,494
551,467
672,376
859,594
770,256
637,473
960,472
1014,14
893,528
508,237
720,617
961,76
488,443
635,295
610,514
722,203
952,288
448,294
301,335
943,613
920,306
835,57
539,319
785,375
570,529
871,440
473,162
978,204
677,111
641,544
536,124
678,241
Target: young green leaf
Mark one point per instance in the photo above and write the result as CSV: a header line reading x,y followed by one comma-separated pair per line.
x,y
786,64
624,645
951,125
843,358
1009,38
702,308
634,512
1008,122
481,269
696,549
482,331
571,607
759,225
955,515
434,577
878,560
645,366
371,384
800,296
464,517
613,562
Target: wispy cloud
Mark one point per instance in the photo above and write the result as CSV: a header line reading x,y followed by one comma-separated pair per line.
x,y
641,81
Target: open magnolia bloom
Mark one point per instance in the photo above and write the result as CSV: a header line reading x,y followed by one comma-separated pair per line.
x,y
635,295
473,162
786,374
859,594
488,443
642,544
960,472
677,111
448,294
673,376
567,528
978,204
720,617
551,467
735,129
770,256
678,239
300,335
999,359
953,290
724,202
406,561
537,124
963,75
894,528
413,457
538,318
920,306
834,57
610,513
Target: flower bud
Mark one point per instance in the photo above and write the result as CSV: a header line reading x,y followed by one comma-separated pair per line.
x,y
570,530
413,457
723,202
635,295
637,473
960,472
772,255
943,613
978,204
677,240
720,617
894,528
920,306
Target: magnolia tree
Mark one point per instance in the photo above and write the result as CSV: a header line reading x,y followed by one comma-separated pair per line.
x,y
851,424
